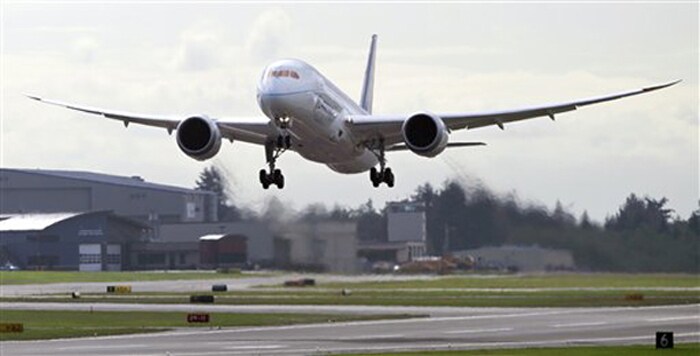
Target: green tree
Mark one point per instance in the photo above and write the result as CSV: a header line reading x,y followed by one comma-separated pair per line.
x,y
371,224
638,213
211,179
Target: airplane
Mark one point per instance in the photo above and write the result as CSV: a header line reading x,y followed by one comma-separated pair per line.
x,y
306,113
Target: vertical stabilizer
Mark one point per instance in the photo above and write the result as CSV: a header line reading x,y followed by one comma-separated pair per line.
x,y
368,85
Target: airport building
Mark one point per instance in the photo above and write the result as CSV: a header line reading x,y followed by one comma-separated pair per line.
x,y
122,215
406,235
72,220
89,241
26,191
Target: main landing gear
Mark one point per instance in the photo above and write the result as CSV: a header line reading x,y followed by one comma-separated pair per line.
x,y
273,150
384,174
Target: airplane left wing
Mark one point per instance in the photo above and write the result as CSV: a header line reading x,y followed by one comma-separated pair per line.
x,y
253,130
388,127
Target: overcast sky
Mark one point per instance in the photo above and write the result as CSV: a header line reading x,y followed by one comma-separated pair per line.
x,y
206,59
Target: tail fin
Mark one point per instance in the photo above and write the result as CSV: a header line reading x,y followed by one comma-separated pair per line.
x,y
368,85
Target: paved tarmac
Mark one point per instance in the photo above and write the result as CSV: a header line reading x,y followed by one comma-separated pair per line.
x,y
466,328
243,282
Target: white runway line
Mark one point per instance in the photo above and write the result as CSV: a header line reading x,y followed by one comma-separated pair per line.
x,y
253,347
674,318
372,337
573,325
100,347
476,331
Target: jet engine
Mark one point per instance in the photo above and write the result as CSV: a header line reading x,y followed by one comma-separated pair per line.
x,y
425,134
199,137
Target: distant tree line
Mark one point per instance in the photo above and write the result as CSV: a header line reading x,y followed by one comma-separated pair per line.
x,y
644,235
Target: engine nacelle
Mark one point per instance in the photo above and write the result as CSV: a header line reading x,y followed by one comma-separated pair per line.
x,y
425,134
199,137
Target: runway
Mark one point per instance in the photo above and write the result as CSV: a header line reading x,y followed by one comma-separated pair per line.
x,y
467,328
238,283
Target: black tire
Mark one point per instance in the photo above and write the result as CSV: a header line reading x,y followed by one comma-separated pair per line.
x,y
264,179
374,177
389,177
278,178
280,182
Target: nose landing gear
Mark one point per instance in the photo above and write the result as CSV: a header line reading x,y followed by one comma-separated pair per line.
x,y
273,150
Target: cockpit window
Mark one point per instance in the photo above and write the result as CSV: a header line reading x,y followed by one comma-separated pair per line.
x,y
286,73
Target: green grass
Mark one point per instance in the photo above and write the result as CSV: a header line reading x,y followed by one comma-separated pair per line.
x,y
680,349
65,324
43,277
557,280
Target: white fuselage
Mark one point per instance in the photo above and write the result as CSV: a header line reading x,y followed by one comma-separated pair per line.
x,y
316,110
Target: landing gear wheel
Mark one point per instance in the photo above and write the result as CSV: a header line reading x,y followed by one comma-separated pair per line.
x,y
273,150
388,178
264,179
374,177
383,174
278,178
280,182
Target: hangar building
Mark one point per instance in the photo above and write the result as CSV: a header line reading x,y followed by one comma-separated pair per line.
x,y
93,241
56,191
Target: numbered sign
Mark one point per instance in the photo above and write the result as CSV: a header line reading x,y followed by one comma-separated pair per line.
x,y
664,340
198,318
119,289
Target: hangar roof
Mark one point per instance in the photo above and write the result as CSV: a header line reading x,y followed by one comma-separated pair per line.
x,y
135,181
212,237
41,221
32,222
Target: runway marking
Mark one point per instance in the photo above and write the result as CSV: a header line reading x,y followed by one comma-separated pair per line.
x,y
674,318
104,347
372,337
475,331
253,347
573,325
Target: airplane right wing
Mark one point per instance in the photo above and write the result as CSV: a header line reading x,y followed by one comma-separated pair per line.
x,y
388,127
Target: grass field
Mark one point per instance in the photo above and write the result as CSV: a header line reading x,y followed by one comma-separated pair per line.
x,y
680,349
65,324
43,277
556,280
